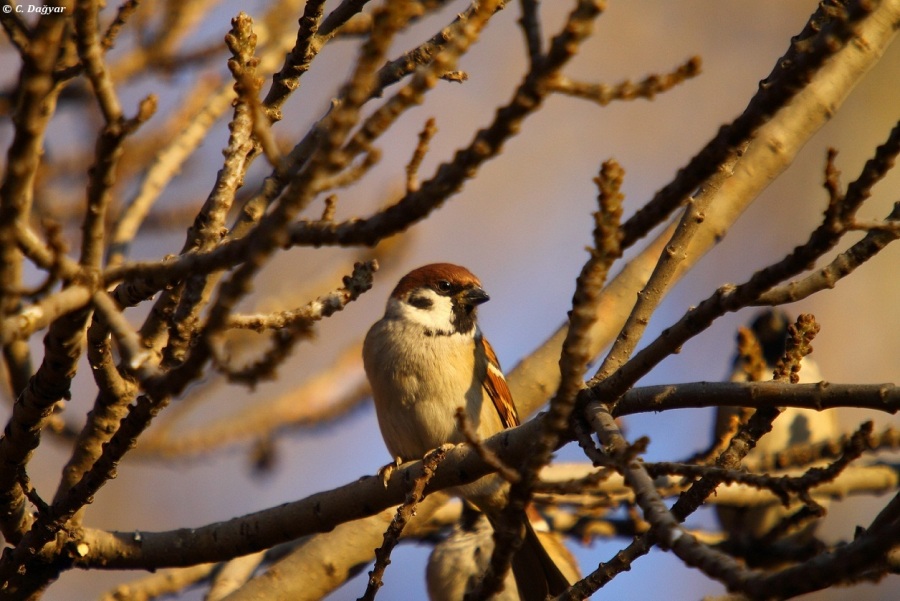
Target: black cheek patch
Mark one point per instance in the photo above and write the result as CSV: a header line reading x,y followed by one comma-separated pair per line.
x,y
421,302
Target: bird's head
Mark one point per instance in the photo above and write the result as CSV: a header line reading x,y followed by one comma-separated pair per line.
x,y
440,297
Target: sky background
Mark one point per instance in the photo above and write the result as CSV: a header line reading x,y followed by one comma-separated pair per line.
x,y
522,227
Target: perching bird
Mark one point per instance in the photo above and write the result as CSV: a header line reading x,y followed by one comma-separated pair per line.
x,y
457,561
424,359
793,426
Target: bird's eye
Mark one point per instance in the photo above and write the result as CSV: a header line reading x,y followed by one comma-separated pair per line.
x,y
444,286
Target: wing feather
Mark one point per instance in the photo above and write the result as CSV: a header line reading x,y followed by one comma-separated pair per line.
x,y
497,388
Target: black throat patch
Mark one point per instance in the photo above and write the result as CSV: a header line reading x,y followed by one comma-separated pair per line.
x,y
463,318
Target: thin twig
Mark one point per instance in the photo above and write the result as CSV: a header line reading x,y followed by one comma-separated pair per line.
x,y
412,168
471,435
404,513
647,88
825,34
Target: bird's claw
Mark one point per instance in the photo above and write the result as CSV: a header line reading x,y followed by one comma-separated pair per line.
x,y
385,471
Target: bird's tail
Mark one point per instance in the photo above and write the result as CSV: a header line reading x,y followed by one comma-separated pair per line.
x,y
542,566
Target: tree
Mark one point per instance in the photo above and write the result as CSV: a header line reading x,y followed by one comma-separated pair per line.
x,y
157,342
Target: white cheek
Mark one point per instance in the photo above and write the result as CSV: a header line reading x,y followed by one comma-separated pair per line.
x,y
437,317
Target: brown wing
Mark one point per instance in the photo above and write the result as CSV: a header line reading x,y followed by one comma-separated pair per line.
x,y
497,389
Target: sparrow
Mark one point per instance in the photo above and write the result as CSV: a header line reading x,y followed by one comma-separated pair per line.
x,y
751,526
457,561
425,359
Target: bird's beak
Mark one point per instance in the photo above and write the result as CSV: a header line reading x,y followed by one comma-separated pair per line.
x,y
474,296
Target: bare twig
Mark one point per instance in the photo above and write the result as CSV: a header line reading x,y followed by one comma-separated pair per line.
x,y
412,168
35,104
15,29
675,253
489,457
575,355
293,326
408,509
168,162
531,28
297,62
124,12
647,88
825,34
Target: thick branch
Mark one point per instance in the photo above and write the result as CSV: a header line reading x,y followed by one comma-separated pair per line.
x,y
821,396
